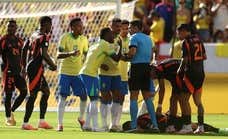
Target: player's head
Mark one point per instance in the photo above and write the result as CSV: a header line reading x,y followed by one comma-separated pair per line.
x,y
11,27
76,26
107,34
124,28
116,25
183,31
135,26
45,24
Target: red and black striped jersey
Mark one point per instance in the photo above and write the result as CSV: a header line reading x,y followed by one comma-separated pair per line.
x,y
167,69
37,42
10,49
193,49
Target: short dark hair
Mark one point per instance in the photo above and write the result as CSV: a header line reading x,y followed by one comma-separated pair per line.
x,y
44,20
75,20
12,21
137,23
104,32
125,22
185,27
116,20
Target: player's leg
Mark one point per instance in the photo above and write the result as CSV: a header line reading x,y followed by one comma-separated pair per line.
x,y
8,88
92,87
148,90
22,87
44,104
29,109
134,88
186,113
116,105
172,112
79,89
63,92
124,91
200,108
106,100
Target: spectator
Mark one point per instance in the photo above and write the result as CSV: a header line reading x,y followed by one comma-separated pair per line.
x,y
202,21
220,13
157,28
218,36
165,9
183,15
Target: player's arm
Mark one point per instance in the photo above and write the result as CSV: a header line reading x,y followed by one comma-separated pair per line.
x,y
24,53
161,95
128,56
184,59
62,55
46,56
48,59
117,56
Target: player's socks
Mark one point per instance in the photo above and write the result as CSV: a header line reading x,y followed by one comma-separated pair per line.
x,y
104,110
133,113
114,112
43,104
150,108
61,108
94,114
88,117
119,114
200,120
83,104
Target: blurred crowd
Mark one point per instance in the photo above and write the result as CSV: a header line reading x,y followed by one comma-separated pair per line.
x,y
209,18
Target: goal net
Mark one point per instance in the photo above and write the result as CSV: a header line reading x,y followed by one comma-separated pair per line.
x,y
94,13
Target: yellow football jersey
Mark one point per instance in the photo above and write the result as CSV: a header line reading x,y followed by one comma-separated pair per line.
x,y
72,65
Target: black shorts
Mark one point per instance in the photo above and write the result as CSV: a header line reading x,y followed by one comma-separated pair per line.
x,y
11,81
37,80
194,80
139,78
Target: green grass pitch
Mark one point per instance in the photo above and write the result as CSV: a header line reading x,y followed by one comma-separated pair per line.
x,y
72,129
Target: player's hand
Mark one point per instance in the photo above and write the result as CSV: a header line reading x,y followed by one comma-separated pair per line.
x,y
53,68
75,53
104,67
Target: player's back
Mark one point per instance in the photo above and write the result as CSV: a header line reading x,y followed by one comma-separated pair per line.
x,y
95,57
37,42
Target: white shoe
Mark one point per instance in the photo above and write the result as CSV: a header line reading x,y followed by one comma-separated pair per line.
x,y
170,129
199,130
99,130
186,129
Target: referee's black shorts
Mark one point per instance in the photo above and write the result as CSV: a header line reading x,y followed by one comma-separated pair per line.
x,y
139,77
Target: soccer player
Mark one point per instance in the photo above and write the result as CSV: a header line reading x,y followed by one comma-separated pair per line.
x,y
72,46
110,83
123,68
144,123
193,56
38,48
10,50
140,55
167,69
89,73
